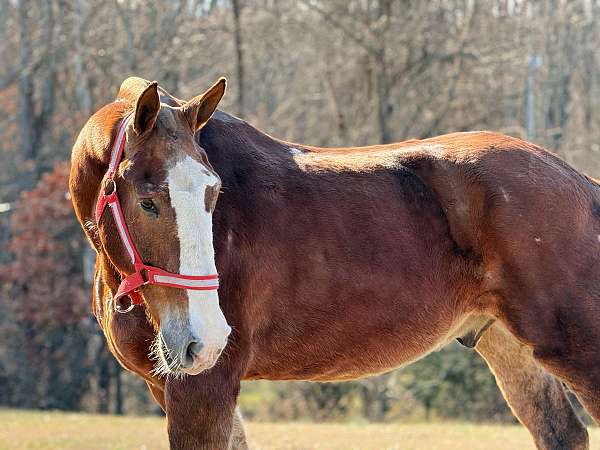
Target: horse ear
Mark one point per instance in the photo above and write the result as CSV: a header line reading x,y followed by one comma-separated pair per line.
x,y
147,107
199,109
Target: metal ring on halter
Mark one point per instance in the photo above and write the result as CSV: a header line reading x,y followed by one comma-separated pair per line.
x,y
123,311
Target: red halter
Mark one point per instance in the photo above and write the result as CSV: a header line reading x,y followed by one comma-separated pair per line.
x,y
144,273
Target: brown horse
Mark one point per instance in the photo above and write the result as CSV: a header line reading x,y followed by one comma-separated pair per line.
x,y
339,263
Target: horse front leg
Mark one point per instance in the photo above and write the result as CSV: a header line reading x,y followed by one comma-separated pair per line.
x,y
201,410
238,432
535,397
133,354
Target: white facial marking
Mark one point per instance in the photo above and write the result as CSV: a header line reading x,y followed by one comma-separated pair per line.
x,y
295,151
187,182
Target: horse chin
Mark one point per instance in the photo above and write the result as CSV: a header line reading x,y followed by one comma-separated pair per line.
x,y
196,370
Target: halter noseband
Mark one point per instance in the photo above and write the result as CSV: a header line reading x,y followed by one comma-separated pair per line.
x,y
144,273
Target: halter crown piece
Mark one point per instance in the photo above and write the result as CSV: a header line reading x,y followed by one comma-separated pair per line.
x,y
144,273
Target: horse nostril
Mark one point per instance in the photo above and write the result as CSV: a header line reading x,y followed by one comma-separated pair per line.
x,y
193,349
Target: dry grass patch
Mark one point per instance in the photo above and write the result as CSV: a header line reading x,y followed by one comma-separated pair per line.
x,y
54,430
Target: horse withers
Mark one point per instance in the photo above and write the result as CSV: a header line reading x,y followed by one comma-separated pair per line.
x,y
335,263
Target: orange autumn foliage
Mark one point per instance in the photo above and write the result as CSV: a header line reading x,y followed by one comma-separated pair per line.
x,y
47,246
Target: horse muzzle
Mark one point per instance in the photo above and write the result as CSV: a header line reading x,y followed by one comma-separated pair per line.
x,y
183,352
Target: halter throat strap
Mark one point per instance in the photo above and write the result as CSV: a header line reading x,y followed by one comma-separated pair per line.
x,y
144,273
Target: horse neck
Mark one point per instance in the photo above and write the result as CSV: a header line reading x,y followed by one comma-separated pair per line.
x,y
254,167
238,152
260,179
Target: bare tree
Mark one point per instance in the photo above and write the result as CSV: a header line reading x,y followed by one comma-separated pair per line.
x,y
236,8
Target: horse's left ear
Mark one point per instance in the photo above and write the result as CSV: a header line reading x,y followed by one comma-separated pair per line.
x,y
147,108
199,109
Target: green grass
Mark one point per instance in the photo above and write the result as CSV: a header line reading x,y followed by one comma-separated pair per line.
x,y
54,430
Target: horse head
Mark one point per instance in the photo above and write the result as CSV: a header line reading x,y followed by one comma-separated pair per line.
x,y
165,190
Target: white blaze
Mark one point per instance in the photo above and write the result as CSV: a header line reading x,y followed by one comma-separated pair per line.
x,y
187,182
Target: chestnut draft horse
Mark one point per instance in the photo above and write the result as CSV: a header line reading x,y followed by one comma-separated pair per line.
x,y
333,264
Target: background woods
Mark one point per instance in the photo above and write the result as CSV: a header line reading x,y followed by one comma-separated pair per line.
x,y
320,72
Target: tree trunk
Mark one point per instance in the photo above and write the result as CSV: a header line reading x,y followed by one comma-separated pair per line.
x,y
104,375
384,108
118,388
26,112
239,57
84,97
46,109
32,125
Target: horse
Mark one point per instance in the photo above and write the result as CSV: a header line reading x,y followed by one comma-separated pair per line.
x,y
333,263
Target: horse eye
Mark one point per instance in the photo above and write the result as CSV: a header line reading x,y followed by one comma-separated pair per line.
x,y
148,206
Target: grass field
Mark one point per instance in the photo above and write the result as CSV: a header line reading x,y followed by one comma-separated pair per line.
x,y
43,430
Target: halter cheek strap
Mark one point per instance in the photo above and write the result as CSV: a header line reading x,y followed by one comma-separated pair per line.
x,y
144,273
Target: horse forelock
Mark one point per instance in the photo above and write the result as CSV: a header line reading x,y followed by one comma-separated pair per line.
x,y
132,87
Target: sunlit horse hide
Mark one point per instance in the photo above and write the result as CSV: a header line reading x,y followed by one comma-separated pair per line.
x,y
341,263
